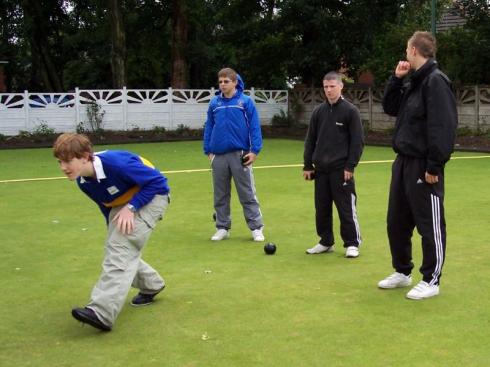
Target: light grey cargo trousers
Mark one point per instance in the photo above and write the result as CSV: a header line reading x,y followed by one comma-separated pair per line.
x,y
122,266
225,166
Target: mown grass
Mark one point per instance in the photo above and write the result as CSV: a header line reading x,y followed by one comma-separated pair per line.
x,y
228,304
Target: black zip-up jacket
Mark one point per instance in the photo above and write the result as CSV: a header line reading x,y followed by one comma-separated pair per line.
x,y
335,138
426,116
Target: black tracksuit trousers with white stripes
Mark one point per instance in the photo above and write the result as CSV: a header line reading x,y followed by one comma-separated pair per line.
x,y
331,188
415,203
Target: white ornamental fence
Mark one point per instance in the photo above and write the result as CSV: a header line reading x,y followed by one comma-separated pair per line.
x,y
122,109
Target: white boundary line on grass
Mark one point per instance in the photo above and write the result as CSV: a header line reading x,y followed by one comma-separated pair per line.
x,y
209,169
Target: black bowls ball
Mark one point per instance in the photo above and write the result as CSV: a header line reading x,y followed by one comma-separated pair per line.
x,y
270,248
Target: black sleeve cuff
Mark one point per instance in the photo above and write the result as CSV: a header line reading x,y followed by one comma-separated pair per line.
x,y
434,168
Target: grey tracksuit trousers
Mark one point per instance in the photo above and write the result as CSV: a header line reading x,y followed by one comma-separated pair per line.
x,y
225,166
122,266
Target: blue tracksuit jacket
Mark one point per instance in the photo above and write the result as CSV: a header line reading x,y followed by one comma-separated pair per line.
x,y
232,124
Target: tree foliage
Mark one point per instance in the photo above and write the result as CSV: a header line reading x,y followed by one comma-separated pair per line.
x,y
389,45
465,52
56,45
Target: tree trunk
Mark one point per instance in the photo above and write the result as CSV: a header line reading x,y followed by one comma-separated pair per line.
x,y
179,44
38,30
270,5
118,49
5,50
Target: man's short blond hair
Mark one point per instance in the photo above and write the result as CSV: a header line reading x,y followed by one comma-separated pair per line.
x,y
425,43
70,145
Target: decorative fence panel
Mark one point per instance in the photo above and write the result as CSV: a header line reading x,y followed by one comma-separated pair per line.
x,y
484,109
121,109
128,109
473,104
12,113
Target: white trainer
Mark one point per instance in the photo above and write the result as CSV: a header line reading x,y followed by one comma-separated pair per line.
x,y
423,290
258,235
352,251
395,280
220,234
318,249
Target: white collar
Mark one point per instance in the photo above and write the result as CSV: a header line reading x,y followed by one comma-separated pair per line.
x,y
99,170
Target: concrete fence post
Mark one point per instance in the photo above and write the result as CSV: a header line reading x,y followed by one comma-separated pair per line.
x,y
77,107
125,108
171,107
26,110
370,108
477,108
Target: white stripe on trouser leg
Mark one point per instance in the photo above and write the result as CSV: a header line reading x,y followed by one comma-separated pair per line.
x,y
252,182
354,218
436,226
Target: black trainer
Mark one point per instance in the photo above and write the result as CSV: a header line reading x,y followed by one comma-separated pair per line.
x,y
142,299
88,316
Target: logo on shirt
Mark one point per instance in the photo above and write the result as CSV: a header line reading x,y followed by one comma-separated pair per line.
x,y
113,190
419,181
339,123
240,103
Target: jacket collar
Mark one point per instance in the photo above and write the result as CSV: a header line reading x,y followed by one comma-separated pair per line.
x,y
339,101
419,75
98,168
222,96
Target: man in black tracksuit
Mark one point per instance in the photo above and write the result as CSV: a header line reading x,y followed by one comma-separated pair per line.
x,y
424,135
333,147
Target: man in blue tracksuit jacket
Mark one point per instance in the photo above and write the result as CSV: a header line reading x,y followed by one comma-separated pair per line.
x,y
232,141
133,196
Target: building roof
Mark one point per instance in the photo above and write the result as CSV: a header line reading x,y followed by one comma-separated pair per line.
x,y
450,19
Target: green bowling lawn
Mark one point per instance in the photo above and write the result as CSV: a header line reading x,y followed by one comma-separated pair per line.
x,y
226,303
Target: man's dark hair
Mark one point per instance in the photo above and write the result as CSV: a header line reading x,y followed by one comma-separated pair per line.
x,y
333,75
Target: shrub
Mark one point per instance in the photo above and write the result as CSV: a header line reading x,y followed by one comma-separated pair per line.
x,y
95,116
182,129
157,130
464,131
43,129
282,119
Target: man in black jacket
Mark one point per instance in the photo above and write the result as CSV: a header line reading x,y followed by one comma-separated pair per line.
x,y
424,135
333,147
